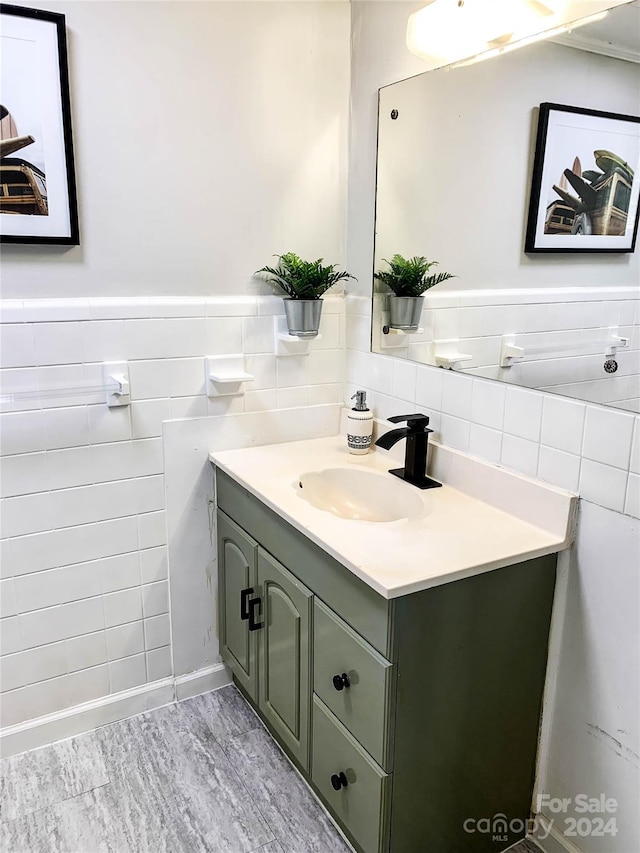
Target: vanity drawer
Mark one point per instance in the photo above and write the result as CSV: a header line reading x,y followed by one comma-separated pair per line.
x,y
337,757
362,701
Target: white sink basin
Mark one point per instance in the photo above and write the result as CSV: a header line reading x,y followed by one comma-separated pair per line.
x,y
360,495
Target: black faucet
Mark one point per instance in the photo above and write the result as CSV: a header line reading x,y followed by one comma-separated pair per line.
x,y
415,459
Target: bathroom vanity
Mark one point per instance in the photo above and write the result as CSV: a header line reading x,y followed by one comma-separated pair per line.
x,y
403,678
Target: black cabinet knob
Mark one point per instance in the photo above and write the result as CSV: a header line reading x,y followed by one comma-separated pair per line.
x,y
339,780
341,681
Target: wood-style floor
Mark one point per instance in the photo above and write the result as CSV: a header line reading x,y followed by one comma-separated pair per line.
x,y
201,776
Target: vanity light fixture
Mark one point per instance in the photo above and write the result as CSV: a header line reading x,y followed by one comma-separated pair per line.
x,y
450,31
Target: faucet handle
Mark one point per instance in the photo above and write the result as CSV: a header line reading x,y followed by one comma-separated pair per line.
x,y
416,423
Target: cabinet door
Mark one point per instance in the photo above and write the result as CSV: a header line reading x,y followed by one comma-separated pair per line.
x,y
285,651
237,576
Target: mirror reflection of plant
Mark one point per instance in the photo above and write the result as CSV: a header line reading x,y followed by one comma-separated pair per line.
x,y
302,279
410,276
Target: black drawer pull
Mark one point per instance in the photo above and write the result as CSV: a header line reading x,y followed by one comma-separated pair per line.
x,y
339,780
254,605
244,602
341,681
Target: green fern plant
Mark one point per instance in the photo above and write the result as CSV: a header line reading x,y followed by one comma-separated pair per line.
x,y
410,276
302,279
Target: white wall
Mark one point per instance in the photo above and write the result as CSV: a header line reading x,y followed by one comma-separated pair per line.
x,y
208,136
577,446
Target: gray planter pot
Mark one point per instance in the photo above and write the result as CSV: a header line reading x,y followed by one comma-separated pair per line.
x,y
303,316
405,312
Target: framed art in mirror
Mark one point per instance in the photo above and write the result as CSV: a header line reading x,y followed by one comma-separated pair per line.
x,y
585,186
38,201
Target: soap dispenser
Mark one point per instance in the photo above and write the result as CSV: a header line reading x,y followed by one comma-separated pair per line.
x,y
359,425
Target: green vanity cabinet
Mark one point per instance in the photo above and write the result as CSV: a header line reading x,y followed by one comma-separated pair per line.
x,y
412,718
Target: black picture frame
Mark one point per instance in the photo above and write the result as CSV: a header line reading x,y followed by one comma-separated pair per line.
x,y
36,41
569,216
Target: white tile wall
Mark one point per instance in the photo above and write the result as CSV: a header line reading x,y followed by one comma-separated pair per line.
x,y
85,604
582,447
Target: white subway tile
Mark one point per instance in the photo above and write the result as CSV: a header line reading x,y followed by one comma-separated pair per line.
x,y
66,427
186,337
147,417
20,389
325,366
155,599
429,383
147,457
88,684
320,394
11,311
562,424
26,514
152,529
632,502
257,334
153,564
523,413
128,673
8,603
358,332
634,464
186,377
219,406
68,468
485,443
110,424
59,623
358,369
223,336
21,475
149,379
125,640
58,343
22,432
10,639
330,336
146,339
381,376
231,306
188,407
261,401
603,485
403,380
86,651
454,432
57,586
520,454
35,700
111,462
93,541
33,665
56,310
123,606
263,369
119,572
487,404
456,395
159,663
607,436
157,631
103,340
291,398
17,346
560,468
293,371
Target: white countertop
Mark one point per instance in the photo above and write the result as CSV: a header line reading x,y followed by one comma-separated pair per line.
x,y
462,531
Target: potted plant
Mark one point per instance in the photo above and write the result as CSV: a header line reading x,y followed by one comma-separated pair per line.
x,y
304,282
408,279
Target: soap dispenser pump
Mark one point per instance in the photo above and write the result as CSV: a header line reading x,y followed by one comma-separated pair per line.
x,y
359,425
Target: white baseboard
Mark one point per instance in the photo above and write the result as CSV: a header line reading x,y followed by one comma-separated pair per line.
x,y
550,839
108,709
201,681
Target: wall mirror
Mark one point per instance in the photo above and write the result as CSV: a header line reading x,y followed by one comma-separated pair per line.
x,y
454,174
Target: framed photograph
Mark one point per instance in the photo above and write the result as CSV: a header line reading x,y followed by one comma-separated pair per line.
x,y
37,180
585,186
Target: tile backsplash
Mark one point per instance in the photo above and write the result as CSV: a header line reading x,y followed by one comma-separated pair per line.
x,y
84,589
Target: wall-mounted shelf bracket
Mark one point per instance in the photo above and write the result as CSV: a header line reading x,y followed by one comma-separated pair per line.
x,y
446,353
509,351
286,344
395,338
225,375
115,376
